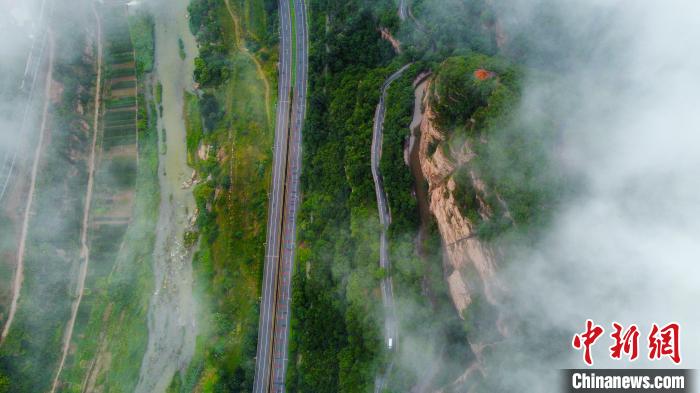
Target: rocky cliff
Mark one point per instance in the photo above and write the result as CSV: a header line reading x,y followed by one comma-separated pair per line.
x,y
470,264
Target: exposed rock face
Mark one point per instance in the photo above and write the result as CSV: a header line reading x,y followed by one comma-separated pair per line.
x,y
469,264
386,34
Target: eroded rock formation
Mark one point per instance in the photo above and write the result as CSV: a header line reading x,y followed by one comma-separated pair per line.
x,y
470,265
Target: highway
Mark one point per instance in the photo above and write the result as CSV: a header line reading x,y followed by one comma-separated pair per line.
x,y
273,328
390,323
281,331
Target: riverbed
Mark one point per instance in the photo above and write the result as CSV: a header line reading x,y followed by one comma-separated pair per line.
x,y
172,327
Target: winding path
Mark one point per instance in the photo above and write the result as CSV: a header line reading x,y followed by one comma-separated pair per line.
x,y
391,330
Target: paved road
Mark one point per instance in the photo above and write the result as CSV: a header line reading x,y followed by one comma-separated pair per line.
x,y
402,10
390,322
273,329
281,331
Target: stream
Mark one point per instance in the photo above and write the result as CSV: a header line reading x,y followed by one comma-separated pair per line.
x,y
172,328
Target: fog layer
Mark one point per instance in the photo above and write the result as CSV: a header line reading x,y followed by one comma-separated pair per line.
x,y
621,80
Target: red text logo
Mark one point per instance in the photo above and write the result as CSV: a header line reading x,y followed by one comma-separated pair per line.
x,y
661,342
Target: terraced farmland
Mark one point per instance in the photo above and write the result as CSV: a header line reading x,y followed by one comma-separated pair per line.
x,y
113,197
115,173
116,170
116,164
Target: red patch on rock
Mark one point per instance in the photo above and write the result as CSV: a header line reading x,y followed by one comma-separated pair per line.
x,y
482,74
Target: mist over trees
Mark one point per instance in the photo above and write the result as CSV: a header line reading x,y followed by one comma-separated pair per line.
x,y
579,119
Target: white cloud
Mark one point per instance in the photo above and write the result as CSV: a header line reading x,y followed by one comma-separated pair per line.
x,y
627,247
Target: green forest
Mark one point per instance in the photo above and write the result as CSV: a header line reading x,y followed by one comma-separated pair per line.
x,y
336,309
335,314
337,320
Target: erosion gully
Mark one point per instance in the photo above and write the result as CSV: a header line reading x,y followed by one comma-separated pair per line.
x,y
413,161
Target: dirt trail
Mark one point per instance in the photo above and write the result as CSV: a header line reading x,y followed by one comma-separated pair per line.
x,y
85,250
242,48
19,273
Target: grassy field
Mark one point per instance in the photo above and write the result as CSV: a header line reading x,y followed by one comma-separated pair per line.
x,y
237,136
